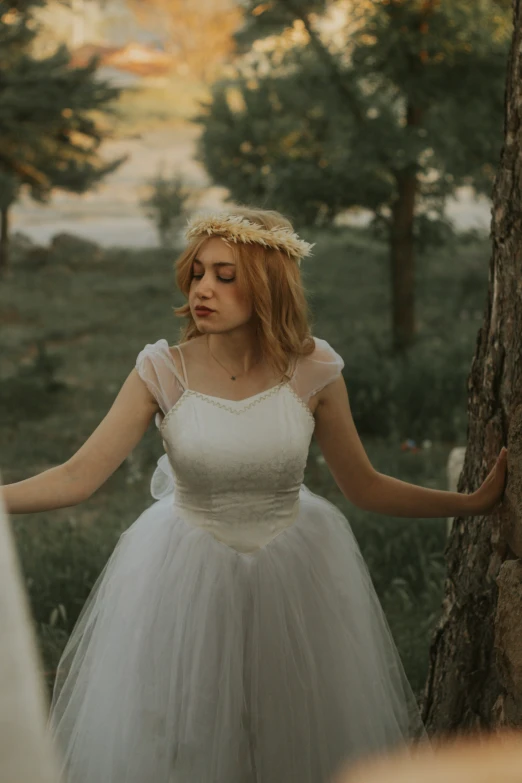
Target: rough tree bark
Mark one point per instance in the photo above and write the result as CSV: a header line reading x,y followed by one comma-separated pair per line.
x,y
475,674
4,241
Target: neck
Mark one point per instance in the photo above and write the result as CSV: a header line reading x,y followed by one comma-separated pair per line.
x,y
237,350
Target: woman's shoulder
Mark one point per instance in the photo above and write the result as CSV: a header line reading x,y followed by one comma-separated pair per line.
x,y
153,349
324,352
161,361
159,354
317,369
162,346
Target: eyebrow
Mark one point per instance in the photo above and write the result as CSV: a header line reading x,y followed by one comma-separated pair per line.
x,y
217,263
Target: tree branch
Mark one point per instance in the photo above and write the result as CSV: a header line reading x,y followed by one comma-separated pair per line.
x,y
326,58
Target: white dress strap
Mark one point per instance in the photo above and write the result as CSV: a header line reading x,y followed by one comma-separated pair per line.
x,y
315,371
156,367
185,376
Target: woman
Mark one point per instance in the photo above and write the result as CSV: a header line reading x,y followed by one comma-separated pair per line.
x,y
234,636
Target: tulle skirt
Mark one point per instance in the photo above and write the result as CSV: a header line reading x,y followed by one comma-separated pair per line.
x,y
193,663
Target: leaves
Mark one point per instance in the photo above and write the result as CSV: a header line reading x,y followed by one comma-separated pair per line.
x,y
168,205
50,133
339,123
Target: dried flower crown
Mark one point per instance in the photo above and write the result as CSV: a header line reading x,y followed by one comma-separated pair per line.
x,y
238,229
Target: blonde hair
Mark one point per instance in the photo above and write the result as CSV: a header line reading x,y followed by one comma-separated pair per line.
x,y
273,281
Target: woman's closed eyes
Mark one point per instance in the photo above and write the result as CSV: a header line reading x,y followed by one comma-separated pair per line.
x,y
221,279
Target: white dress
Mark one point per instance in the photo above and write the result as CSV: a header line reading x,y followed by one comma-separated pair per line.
x,y
234,635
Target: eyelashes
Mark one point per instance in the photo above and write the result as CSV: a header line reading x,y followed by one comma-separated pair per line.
x,y
221,279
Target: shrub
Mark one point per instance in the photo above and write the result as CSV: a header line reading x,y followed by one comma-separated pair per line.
x,y
167,206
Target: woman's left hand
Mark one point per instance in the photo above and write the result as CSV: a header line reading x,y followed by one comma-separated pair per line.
x,y
489,495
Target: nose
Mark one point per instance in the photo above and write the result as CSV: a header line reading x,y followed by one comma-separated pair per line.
x,y
203,287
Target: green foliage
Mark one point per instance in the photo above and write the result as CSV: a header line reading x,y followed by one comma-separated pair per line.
x,y
34,390
423,393
49,132
168,206
271,18
423,396
282,148
321,128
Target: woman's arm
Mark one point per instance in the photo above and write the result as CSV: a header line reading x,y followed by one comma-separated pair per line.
x,y
357,478
77,479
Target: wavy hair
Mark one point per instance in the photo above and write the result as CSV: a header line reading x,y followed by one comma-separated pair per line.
x,y
272,280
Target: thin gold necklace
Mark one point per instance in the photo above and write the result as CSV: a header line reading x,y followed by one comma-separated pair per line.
x,y
232,377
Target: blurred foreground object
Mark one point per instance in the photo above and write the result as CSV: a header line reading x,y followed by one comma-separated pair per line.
x,y
495,758
26,752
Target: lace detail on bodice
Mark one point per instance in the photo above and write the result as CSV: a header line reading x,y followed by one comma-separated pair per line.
x,y
249,402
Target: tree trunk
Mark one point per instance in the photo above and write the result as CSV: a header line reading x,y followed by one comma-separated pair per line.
x,y
475,673
402,262
4,241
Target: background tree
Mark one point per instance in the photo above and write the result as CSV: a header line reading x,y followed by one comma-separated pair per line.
x,y
371,116
170,201
51,117
475,677
9,190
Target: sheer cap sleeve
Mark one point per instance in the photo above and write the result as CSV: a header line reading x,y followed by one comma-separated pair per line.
x,y
157,370
315,371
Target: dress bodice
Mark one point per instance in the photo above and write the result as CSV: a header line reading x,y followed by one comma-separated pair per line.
x,y
237,465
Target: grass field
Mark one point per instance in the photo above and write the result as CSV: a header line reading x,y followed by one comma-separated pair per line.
x,y
70,331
